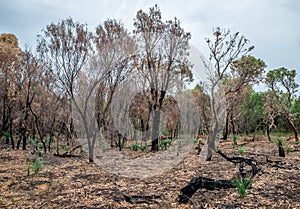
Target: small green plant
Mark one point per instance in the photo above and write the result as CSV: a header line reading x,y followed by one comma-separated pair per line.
x,y
6,135
241,150
194,140
134,147
242,184
235,138
164,144
37,166
65,146
279,143
143,148
123,143
12,199
297,142
288,149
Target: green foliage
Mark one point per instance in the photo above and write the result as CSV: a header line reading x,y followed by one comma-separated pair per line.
x,y
280,79
241,150
288,149
135,147
278,142
165,131
235,138
242,184
12,199
37,166
123,143
36,145
6,135
143,148
165,143
252,110
65,146
194,140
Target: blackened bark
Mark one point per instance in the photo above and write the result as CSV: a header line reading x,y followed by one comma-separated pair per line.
x,y
226,128
281,151
202,182
155,130
212,184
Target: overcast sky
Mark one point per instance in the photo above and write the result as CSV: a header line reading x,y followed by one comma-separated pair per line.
x,y
272,26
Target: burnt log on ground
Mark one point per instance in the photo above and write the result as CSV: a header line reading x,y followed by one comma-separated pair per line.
x,y
202,182
211,184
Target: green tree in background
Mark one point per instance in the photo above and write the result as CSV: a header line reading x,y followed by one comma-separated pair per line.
x,y
281,95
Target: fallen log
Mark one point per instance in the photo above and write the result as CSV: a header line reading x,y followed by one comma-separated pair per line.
x,y
211,184
202,182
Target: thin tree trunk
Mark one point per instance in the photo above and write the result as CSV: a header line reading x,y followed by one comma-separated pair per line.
x,y
91,154
255,131
226,129
268,133
292,125
11,134
155,130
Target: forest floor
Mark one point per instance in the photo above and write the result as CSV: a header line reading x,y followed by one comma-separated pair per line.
x,y
74,183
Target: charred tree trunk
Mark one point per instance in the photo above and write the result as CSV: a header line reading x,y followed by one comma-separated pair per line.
x,y
157,105
281,151
155,130
234,131
226,129
268,133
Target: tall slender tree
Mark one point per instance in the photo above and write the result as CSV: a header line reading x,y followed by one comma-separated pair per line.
x,y
225,49
162,53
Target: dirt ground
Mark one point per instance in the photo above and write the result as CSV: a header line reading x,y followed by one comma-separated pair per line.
x,y
74,183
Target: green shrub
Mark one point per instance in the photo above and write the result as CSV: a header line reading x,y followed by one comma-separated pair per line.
x,y
235,138
37,166
135,147
242,184
194,140
279,142
288,149
12,199
143,148
6,135
164,144
241,150
123,143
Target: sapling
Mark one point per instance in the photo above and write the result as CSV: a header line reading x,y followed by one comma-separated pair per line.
x,y
241,150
